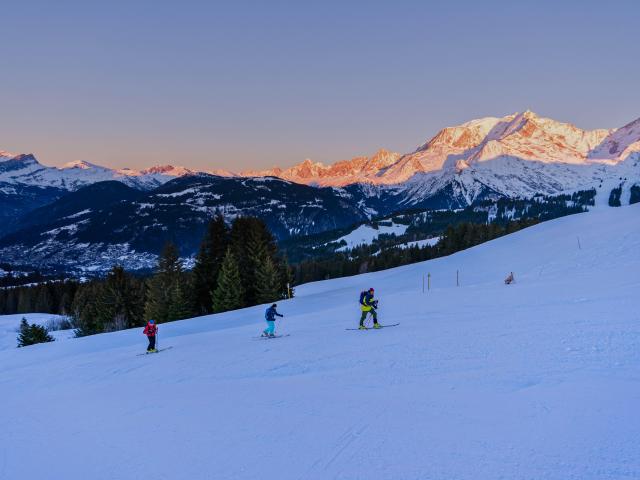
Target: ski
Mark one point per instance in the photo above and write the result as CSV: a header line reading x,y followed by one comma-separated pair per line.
x,y
371,328
262,337
157,351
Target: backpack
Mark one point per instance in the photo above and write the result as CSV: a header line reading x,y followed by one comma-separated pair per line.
x,y
362,295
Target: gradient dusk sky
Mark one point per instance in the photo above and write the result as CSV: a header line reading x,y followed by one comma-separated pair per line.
x,y
251,84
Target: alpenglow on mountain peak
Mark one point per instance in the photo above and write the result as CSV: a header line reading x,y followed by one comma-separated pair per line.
x,y
522,136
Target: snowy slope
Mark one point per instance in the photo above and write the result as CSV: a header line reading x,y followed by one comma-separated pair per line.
x,y
366,234
537,380
10,324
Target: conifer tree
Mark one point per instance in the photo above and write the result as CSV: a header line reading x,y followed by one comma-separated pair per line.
x,y
84,310
229,293
161,285
44,300
180,302
32,334
208,263
119,302
267,282
25,302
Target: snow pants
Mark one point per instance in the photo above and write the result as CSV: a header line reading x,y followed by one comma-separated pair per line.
x,y
152,343
271,327
364,316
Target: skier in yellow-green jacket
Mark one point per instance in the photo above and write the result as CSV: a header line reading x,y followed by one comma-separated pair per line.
x,y
368,306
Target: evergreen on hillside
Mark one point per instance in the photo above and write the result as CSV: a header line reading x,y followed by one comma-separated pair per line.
x,y
32,334
614,197
252,244
84,309
162,285
118,302
207,266
229,294
268,287
181,305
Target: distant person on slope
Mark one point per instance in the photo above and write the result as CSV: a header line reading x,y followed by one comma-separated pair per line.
x,y
150,331
270,316
368,305
510,279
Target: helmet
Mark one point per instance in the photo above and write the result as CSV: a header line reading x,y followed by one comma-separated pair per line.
x,y
274,305
151,322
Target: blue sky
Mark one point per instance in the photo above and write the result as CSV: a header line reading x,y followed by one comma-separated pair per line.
x,y
252,84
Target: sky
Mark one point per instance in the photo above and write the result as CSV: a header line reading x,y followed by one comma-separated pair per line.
x,y
246,85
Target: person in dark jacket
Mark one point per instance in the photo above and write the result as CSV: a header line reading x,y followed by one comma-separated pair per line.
x,y
270,316
368,305
150,330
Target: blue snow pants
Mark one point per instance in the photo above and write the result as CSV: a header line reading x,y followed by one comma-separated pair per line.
x,y
271,327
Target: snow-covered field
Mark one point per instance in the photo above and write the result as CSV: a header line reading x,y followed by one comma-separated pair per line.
x,y
10,324
366,234
537,380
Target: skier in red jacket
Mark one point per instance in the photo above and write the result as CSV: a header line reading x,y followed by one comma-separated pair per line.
x,y
150,331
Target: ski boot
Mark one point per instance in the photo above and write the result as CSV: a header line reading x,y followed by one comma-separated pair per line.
x,y
362,327
377,325
272,335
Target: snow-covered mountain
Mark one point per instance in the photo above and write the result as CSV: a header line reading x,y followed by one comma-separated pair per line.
x,y
24,169
345,172
535,380
518,155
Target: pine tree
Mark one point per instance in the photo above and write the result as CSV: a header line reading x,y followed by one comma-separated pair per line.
x,y
32,334
25,301
180,302
267,282
229,294
119,302
251,242
208,263
161,285
84,311
44,300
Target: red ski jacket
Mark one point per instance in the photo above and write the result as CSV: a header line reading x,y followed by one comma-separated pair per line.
x,y
150,330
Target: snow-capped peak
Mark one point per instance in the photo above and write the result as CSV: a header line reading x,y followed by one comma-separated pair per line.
x,y
170,170
81,164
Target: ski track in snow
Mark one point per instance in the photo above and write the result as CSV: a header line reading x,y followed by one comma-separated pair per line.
x,y
536,380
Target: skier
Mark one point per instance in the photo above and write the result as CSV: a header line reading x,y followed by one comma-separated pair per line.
x,y
150,331
368,305
510,279
270,316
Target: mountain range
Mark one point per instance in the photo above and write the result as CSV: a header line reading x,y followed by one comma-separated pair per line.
x,y
91,216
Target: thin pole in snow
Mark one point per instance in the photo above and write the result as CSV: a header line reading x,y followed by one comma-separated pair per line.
x,y
579,246
457,279
429,281
423,283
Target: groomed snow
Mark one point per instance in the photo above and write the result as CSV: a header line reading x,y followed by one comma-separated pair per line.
x,y
366,234
536,380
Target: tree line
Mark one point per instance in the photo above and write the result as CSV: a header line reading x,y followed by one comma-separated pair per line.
x,y
235,267
372,258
